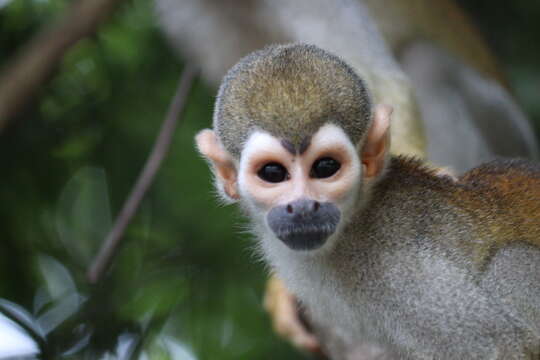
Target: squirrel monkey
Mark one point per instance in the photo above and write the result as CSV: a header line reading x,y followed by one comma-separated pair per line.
x,y
380,248
421,56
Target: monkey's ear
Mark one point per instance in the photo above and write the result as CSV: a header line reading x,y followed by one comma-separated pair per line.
x,y
222,163
377,141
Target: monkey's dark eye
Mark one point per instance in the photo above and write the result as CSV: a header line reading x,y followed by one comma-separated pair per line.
x,y
324,168
273,172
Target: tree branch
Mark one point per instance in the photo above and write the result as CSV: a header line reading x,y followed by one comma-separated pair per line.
x,y
160,149
35,62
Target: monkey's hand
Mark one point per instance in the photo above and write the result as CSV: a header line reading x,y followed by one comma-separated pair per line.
x,y
283,309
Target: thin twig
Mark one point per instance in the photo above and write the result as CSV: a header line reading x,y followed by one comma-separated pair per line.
x,y
27,71
161,146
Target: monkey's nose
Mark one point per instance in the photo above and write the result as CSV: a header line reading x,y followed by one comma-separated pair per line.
x,y
304,224
303,207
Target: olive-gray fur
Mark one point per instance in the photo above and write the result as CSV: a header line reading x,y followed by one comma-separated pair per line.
x,y
290,91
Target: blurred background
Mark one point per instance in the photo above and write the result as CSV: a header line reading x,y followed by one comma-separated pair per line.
x,y
185,284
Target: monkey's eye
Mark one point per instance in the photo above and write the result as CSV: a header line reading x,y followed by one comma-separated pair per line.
x,y
324,168
273,172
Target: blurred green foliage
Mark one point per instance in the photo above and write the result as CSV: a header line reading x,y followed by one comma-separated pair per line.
x,y
185,283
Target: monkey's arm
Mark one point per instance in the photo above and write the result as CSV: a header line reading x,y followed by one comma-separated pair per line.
x,y
279,302
513,277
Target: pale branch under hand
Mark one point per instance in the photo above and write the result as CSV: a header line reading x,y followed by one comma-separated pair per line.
x,y
21,78
161,146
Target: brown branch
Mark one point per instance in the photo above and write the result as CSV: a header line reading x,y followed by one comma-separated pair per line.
x,y
35,62
160,149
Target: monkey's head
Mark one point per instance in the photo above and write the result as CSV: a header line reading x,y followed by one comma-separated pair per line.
x,y
295,140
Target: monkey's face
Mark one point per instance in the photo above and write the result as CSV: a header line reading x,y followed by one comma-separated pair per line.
x,y
300,196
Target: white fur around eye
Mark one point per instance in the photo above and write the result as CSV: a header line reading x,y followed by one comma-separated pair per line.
x,y
331,134
258,143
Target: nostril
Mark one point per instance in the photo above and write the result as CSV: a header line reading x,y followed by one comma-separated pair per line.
x,y
316,206
289,209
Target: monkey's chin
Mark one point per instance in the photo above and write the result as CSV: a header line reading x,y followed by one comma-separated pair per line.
x,y
306,239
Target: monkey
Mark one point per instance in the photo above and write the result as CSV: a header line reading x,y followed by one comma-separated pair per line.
x,y
378,246
436,70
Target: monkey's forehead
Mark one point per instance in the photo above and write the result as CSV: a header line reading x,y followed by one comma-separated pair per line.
x,y
290,92
292,121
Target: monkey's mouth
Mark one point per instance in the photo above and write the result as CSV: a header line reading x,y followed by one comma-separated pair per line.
x,y
305,238
304,230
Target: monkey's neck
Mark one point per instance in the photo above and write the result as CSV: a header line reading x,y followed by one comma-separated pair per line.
x,y
409,202
404,172
407,191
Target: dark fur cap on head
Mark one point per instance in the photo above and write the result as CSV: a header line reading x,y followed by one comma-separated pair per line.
x,y
290,91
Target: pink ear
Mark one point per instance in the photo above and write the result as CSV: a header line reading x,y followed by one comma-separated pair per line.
x,y
377,141
210,147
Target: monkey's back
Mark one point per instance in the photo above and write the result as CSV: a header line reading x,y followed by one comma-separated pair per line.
x,y
498,201
502,198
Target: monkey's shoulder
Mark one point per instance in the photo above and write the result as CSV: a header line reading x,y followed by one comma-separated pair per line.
x,y
503,198
504,175
499,200
512,184
501,180
411,172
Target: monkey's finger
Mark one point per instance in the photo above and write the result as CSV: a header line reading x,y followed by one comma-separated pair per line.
x,y
282,307
302,339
